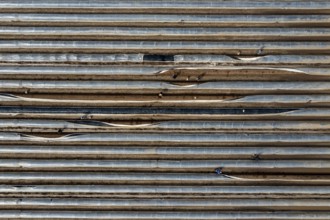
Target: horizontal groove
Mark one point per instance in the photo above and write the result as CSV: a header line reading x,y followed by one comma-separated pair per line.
x,y
158,100
162,114
116,215
163,34
139,99
97,178
164,20
156,152
226,166
92,126
137,191
167,47
164,73
195,7
192,62
71,58
171,139
165,88
165,204
188,111
313,60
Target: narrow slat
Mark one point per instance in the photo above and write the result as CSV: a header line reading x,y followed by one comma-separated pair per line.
x,y
124,178
165,204
158,64
93,126
166,73
182,34
157,152
167,47
113,215
159,100
161,6
149,191
154,87
171,139
164,20
163,114
227,166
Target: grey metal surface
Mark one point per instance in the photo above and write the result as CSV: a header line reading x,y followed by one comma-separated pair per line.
x,y
90,215
196,33
164,204
247,48
44,126
167,191
169,6
165,152
163,20
163,109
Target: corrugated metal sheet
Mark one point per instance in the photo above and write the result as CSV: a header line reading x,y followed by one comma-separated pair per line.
x,y
160,109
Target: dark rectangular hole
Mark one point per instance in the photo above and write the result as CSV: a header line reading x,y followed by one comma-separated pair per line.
x,y
158,57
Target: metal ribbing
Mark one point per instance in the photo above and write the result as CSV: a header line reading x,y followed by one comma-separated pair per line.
x,y
170,110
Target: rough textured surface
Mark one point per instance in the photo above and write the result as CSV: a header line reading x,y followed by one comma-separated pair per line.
x,y
169,110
